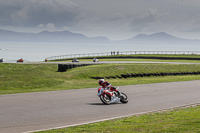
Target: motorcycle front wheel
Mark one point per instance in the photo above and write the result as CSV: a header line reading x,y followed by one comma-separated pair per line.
x,y
123,98
105,99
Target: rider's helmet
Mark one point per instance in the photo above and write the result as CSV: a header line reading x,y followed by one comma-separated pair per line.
x,y
101,81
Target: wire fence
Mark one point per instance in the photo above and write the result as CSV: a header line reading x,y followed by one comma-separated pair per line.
x,y
60,57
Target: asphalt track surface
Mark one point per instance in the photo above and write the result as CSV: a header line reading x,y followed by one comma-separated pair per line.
x,y
56,109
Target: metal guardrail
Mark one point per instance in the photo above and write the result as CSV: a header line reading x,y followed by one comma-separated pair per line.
x,y
122,53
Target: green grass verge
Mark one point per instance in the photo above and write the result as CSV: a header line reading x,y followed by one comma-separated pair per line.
x,y
18,78
21,78
106,70
185,120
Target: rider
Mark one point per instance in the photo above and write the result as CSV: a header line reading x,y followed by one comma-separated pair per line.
x,y
105,85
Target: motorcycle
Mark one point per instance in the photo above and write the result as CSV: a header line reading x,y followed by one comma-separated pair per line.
x,y
113,96
20,60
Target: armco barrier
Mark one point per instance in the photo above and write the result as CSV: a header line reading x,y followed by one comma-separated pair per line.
x,y
65,67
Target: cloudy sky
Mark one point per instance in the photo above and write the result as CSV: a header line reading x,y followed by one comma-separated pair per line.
x,y
115,19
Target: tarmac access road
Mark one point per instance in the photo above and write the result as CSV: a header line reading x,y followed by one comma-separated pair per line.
x,y
110,62
31,112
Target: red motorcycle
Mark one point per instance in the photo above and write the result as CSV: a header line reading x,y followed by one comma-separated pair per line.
x,y
20,60
113,96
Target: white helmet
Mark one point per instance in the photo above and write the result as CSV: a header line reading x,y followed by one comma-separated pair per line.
x,y
101,81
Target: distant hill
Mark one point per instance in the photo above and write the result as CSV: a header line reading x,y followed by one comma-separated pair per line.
x,y
46,36
158,38
70,37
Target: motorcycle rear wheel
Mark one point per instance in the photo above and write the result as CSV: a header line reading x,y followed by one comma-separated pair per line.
x,y
123,98
105,99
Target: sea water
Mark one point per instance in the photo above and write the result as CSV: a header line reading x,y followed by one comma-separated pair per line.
x,y
29,51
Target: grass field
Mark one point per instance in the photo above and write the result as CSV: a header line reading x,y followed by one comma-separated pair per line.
x,y
21,78
185,120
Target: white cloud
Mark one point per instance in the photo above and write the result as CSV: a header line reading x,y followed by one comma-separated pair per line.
x,y
40,26
50,27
